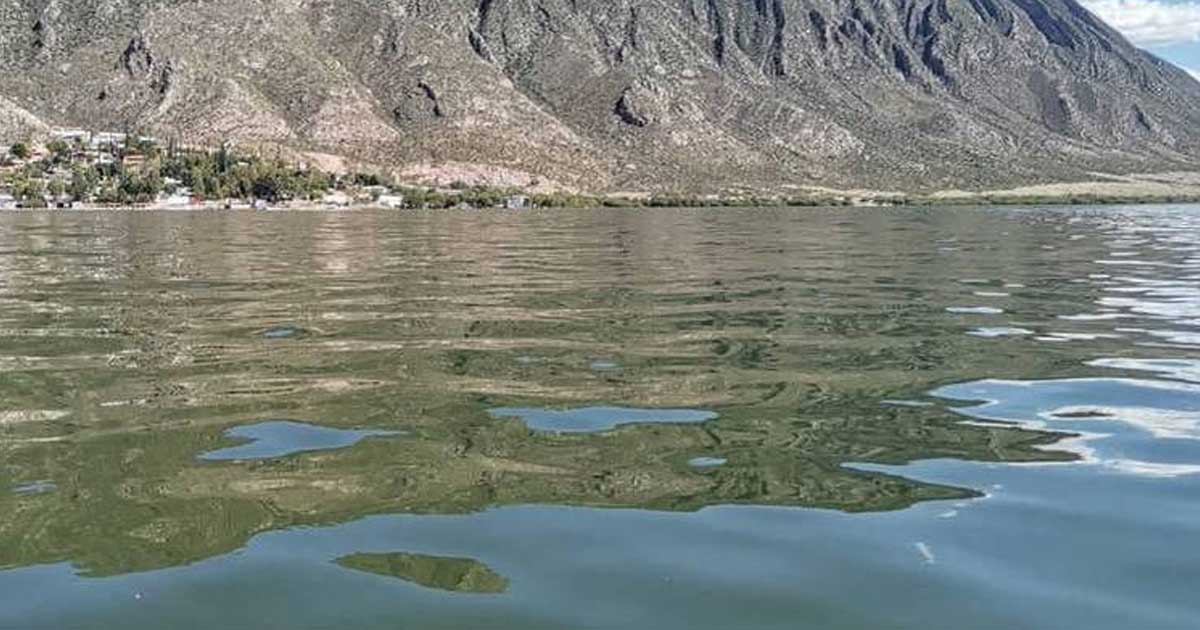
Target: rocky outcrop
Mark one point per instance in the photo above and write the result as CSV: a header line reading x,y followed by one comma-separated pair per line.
x,y
17,124
624,94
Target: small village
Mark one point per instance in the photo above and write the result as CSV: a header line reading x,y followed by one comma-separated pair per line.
x,y
85,170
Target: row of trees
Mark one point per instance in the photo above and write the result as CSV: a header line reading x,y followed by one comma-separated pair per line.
x,y
219,175
155,170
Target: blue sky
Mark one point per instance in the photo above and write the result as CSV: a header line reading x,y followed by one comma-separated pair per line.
x,y
1167,28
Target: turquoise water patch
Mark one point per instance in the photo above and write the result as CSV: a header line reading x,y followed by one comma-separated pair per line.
x,y
1166,409
594,419
707,462
1181,369
281,438
1136,426
283,332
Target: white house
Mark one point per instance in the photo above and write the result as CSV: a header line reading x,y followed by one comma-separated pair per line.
x,y
181,198
75,136
516,202
7,202
105,139
390,201
336,199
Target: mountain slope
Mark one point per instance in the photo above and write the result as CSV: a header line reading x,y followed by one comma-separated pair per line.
x,y
623,94
16,123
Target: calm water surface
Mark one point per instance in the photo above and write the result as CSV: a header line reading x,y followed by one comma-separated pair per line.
x,y
610,419
280,438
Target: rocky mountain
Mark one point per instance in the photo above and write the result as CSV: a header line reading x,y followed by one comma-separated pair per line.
x,y
16,123
618,94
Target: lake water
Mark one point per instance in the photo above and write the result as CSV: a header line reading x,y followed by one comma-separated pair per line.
x,y
280,438
911,418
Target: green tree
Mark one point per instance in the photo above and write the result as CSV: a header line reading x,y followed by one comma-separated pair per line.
x,y
84,181
60,151
20,151
144,146
30,192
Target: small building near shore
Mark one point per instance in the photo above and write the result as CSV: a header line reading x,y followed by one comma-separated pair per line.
x,y
517,202
179,199
336,199
7,202
76,137
390,201
105,140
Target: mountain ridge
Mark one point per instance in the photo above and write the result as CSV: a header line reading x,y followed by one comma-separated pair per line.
x,y
604,95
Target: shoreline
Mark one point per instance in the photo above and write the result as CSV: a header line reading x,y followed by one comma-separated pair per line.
x,y
582,202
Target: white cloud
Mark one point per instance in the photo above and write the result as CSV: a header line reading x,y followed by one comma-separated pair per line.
x,y
1150,22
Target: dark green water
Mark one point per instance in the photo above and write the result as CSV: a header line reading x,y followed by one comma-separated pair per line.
x,y
693,419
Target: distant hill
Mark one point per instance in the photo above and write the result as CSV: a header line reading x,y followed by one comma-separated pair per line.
x,y
610,95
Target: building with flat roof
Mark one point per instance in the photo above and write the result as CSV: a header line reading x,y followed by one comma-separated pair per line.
x,y
517,202
390,201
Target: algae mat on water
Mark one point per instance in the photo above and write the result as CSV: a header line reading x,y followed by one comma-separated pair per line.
x,y
148,346
462,575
